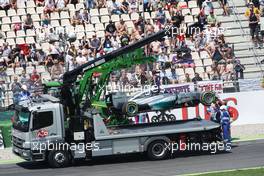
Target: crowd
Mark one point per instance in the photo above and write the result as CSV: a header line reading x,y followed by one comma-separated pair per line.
x,y
202,35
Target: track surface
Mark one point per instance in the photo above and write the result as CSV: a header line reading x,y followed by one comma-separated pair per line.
x,y
244,154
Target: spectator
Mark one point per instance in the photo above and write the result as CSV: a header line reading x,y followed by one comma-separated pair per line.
x,y
146,5
254,27
80,59
35,77
74,2
121,27
124,39
207,7
160,15
101,3
45,20
251,8
15,88
5,5
95,45
40,2
107,44
56,70
124,79
239,69
85,17
187,78
196,78
155,48
225,123
110,28
224,5
211,19
70,62
24,94
28,22
125,7
60,5
49,6
115,7
76,19
115,42
90,4
23,78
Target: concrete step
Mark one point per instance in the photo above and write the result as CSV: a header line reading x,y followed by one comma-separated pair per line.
x,y
237,39
237,3
235,25
251,75
247,60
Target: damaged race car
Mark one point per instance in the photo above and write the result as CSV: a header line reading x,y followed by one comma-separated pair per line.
x,y
157,101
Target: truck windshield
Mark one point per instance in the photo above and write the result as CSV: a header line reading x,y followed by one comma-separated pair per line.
x,y
21,120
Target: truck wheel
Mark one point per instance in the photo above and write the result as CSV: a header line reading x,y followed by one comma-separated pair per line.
x,y
157,150
130,108
207,98
58,158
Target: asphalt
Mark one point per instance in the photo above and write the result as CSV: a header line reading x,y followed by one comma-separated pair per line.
x,y
243,155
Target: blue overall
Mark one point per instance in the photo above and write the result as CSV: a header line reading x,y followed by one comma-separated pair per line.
x,y
225,122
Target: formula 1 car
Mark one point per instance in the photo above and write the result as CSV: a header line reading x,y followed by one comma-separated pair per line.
x,y
156,101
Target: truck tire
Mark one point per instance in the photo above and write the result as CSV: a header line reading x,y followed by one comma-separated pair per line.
x,y
207,98
157,150
58,158
130,108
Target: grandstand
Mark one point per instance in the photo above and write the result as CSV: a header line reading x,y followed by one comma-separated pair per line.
x,y
34,47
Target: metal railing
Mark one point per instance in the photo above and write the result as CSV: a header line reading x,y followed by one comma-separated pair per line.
x,y
246,35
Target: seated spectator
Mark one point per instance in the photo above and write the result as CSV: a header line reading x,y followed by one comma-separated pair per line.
x,y
200,42
56,70
110,28
149,27
5,5
60,5
90,4
196,78
155,48
115,7
121,27
76,18
211,19
35,77
28,22
124,39
49,6
85,17
133,5
187,78
135,34
45,20
115,42
107,44
80,59
95,45
24,78
124,79
40,2
125,7
146,5
215,71
160,15
239,70
207,7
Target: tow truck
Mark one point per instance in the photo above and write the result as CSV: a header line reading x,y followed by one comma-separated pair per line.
x,y
60,130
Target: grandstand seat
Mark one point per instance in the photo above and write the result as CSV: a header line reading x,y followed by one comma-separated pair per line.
x,y
45,76
40,69
190,71
115,18
30,40
18,70
54,16
186,12
207,62
65,22
147,15
6,20
129,24
20,41
2,42
31,11
198,62
10,72
40,10
95,19
21,12
11,41
71,7
36,24
196,11
199,70
134,16
16,19
21,33
204,55
79,6
153,14
30,32
188,19
94,12
100,34
2,13
31,4
35,17
125,17
79,28
5,27
11,12
29,69
64,14
167,14
105,19
182,4
192,4
54,23
179,71
103,11
99,27
10,34
89,28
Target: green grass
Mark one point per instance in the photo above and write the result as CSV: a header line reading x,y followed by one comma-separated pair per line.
x,y
241,172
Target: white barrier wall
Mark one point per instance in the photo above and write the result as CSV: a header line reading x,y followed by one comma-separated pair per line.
x,y
249,105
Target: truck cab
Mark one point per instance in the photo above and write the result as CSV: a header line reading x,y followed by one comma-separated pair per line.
x,y
34,121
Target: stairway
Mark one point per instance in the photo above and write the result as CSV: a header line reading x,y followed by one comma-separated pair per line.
x,y
242,43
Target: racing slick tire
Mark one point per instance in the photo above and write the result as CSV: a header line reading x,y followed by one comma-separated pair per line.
x,y
207,98
58,158
157,150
